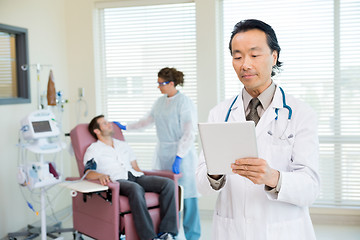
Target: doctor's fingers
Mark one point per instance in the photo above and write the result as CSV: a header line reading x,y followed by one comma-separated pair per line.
x,y
250,161
249,168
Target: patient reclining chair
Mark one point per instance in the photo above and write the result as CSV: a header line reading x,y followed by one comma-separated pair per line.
x,y
106,215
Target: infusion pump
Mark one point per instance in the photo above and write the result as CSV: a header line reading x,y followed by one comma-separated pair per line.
x,y
38,129
40,135
39,124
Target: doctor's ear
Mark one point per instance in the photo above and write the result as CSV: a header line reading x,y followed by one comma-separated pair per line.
x,y
97,131
275,57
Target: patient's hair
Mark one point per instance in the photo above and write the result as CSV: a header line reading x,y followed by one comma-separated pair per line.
x,y
94,125
172,75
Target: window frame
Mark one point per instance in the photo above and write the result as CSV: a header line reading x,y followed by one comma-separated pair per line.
x,y
22,59
148,136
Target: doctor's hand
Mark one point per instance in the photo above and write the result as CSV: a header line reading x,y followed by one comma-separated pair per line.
x,y
176,165
256,170
122,127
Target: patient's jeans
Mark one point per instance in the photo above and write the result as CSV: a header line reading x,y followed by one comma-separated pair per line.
x,y
135,187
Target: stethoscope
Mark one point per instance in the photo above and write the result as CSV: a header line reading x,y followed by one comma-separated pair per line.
x,y
276,111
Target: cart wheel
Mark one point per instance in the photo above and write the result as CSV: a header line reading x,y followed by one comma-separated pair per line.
x,y
77,236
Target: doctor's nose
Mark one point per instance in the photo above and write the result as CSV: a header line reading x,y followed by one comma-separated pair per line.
x,y
247,64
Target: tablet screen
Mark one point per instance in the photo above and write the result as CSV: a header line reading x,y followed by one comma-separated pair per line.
x,y
225,142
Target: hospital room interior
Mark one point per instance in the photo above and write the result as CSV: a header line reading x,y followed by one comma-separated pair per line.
x,y
64,62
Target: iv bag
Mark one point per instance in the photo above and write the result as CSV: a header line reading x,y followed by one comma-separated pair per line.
x,y
51,93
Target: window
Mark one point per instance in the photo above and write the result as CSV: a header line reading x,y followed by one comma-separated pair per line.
x,y
320,49
134,43
14,82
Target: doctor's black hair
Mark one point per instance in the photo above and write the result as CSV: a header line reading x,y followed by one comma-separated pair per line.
x,y
172,75
249,24
94,125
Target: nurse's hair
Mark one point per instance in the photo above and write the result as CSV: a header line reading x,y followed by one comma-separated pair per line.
x,y
172,75
94,125
250,24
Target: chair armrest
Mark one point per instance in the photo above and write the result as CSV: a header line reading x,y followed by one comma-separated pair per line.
x,y
113,186
72,178
164,173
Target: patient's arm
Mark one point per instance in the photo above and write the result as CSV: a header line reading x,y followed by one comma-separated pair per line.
x,y
93,175
135,166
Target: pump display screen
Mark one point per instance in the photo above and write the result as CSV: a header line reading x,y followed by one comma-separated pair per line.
x,y
41,126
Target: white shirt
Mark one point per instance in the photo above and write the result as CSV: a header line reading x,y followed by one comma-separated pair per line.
x,y
113,161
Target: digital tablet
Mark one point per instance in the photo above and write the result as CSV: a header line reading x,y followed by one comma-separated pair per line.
x,y
225,142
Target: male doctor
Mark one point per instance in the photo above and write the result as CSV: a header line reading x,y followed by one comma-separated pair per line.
x,y
266,197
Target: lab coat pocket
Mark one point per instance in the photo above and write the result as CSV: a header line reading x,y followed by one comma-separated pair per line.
x,y
280,156
295,229
224,228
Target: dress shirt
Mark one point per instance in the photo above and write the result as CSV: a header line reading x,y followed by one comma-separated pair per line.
x,y
113,161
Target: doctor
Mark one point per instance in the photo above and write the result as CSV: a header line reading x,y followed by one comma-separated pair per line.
x,y
266,197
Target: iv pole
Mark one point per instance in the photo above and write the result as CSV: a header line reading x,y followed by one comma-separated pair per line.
x,y
42,196
39,67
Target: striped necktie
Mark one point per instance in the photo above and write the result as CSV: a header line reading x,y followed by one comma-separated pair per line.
x,y
253,114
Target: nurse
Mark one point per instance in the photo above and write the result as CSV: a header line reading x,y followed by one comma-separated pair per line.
x,y
268,197
175,118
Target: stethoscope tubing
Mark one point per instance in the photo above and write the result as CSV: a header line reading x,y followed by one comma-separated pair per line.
x,y
229,111
276,109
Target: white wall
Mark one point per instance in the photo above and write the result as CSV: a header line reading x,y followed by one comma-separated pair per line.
x,y
207,68
45,21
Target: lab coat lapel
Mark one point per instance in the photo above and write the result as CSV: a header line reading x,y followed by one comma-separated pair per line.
x,y
237,111
269,115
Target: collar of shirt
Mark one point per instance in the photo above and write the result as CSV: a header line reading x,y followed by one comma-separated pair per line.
x,y
265,98
106,145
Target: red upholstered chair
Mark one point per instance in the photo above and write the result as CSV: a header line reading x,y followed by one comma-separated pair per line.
x,y
108,215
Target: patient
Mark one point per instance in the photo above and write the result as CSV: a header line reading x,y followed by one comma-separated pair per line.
x,y
109,159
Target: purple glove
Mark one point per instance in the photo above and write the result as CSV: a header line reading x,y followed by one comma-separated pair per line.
x,y
176,165
123,127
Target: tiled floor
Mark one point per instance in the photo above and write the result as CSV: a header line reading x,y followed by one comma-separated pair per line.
x,y
323,232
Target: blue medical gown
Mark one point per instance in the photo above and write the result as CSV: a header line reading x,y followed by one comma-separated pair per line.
x,y
175,120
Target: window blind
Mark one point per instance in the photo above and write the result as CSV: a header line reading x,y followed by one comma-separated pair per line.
x,y
320,48
134,43
8,88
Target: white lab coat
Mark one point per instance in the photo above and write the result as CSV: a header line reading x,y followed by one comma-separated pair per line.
x,y
245,210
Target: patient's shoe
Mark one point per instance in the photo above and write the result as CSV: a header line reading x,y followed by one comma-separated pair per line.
x,y
169,237
164,236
